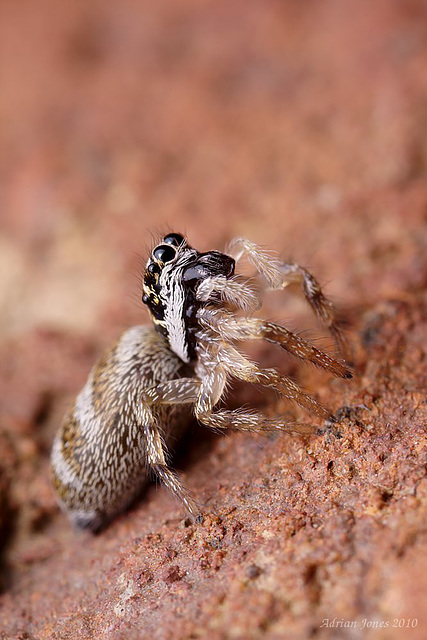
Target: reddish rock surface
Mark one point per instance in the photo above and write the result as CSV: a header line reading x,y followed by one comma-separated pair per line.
x,y
303,127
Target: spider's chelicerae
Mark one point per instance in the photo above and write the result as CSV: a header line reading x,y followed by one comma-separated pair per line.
x,y
138,394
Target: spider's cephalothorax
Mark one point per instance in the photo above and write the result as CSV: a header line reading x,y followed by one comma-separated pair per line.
x,y
172,276
135,399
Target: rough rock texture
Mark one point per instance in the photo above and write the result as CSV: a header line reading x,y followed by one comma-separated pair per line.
x,y
301,125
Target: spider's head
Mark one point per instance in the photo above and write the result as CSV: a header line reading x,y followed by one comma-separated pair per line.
x,y
172,277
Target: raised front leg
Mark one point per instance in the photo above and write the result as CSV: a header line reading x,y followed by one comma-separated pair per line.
x,y
322,307
281,274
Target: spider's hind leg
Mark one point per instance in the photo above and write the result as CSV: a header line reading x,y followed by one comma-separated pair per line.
x,y
156,449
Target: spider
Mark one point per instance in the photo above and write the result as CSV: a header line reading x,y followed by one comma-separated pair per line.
x,y
138,395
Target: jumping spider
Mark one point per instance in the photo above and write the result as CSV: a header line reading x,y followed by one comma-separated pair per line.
x,y
132,404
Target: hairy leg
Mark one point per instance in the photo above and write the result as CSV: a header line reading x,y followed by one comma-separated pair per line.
x,y
322,307
212,388
268,265
281,274
231,328
157,462
235,293
234,364
178,391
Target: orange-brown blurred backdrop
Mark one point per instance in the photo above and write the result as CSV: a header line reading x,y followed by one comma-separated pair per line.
x,y
298,124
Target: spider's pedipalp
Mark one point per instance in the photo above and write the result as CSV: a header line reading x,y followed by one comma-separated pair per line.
x,y
266,264
236,294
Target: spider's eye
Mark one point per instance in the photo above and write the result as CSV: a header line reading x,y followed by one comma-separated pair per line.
x,y
164,253
174,239
153,268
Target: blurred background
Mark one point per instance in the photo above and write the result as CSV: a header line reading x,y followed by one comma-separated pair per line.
x,y
299,124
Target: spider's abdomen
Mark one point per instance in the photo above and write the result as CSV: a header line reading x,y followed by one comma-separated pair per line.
x,y
99,458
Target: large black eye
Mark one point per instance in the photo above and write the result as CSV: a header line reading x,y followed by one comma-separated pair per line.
x,y
153,268
164,253
174,238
